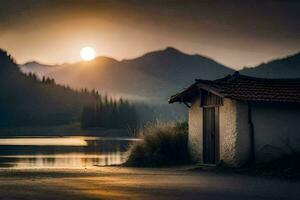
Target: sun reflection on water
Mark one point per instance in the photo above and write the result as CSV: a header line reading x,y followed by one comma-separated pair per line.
x,y
63,141
62,152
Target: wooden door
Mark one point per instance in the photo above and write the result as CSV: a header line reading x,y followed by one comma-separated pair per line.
x,y
210,135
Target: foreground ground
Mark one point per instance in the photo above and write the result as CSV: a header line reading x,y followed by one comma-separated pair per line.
x,y
129,183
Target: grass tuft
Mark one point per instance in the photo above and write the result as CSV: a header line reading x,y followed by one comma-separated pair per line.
x,y
162,144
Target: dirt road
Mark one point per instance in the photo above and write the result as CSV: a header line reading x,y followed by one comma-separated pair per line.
x,y
128,183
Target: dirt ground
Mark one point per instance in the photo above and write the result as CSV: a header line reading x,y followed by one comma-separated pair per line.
x,y
147,184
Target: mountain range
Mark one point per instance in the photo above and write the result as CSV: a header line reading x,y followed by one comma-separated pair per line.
x,y
288,67
27,100
154,76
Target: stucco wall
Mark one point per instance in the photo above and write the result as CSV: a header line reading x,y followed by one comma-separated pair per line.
x,y
228,131
196,131
276,131
234,133
243,147
234,147
276,128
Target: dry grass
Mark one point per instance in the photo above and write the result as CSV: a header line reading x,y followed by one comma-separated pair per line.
x,y
162,144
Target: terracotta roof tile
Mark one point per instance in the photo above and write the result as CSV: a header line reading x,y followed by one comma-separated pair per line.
x,y
247,88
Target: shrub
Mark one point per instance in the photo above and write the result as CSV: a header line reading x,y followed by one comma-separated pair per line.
x,y
162,144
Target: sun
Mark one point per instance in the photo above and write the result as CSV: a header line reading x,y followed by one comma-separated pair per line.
x,y
87,53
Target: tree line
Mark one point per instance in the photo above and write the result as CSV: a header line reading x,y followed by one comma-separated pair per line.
x,y
45,80
109,113
104,112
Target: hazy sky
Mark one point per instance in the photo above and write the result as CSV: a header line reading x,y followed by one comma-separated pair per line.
x,y
234,33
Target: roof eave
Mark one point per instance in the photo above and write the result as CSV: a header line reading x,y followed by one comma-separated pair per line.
x,y
180,97
210,89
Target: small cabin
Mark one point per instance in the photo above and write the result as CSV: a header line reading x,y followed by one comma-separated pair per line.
x,y
240,119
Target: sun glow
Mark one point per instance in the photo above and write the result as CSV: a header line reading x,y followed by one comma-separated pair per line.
x,y
87,53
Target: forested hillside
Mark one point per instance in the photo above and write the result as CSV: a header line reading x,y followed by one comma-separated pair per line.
x,y
26,100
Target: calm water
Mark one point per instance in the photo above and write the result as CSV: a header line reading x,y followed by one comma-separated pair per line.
x,y
62,152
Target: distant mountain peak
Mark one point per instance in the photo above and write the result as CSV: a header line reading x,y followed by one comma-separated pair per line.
x,y
33,64
172,49
158,54
104,58
30,63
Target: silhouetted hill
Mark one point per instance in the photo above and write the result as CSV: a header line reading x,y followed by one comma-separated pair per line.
x,y
25,100
173,66
34,64
152,77
288,67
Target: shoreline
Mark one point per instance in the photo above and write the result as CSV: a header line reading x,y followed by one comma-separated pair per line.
x,y
62,130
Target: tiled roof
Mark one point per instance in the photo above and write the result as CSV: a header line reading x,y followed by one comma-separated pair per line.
x,y
246,88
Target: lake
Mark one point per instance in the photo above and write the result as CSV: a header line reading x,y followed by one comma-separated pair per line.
x,y
62,152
